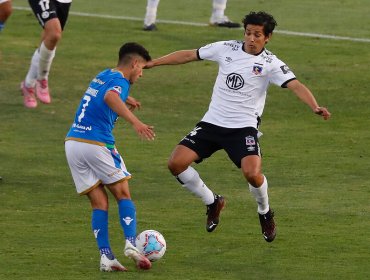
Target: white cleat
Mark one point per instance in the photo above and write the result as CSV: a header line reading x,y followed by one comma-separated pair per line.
x,y
133,253
108,265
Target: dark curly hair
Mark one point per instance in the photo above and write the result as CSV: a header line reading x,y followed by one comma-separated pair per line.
x,y
261,18
132,48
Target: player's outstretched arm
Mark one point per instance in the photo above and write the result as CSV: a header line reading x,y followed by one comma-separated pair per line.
x,y
178,57
307,97
117,105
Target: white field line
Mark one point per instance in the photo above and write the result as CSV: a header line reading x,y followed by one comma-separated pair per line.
x,y
285,32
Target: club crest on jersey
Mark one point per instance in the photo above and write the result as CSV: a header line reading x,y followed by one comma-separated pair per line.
x,y
257,70
234,81
118,89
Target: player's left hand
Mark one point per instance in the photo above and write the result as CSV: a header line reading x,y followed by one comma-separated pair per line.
x,y
132,103
322,111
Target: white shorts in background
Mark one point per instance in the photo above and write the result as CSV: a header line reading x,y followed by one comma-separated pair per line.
x,y
3,1
93,164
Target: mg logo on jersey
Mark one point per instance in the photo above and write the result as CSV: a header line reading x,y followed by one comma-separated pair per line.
x,y
234,81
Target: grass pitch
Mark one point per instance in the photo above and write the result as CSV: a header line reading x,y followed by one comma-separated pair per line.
x,y
318,171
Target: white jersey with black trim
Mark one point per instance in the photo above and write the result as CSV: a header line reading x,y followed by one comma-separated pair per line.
x,y
239,92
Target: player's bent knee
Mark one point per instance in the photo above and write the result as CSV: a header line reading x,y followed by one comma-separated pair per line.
x,y
255,178
175,167
54,38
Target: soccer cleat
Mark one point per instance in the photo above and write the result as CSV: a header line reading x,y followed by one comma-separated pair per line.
x,y
42,91
29,98
133,253
151,27
268,225
213,212
108,265
224,22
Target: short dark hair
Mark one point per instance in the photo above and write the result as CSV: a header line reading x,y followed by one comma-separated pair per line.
x,y
261,18
132,48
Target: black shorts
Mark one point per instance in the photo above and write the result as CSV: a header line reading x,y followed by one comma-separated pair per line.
x,y
45,10
206,138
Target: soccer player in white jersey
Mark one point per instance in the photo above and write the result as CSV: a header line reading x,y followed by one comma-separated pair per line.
x,y
52,16
5,12
231,123
93,159
218,17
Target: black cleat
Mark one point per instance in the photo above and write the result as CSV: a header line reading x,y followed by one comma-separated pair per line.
x,y
228,24
151,27
213,212
268,226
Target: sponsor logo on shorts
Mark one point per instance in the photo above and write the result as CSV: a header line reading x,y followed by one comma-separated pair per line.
x,y
251,143
190,140
114,173
194,131
45,14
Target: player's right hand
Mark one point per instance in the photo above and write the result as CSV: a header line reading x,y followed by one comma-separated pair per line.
x,y
145,131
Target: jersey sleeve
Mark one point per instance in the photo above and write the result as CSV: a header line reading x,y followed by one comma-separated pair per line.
x,y
211,51
280,73
119,86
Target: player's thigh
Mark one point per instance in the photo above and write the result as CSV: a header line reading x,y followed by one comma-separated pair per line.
x,y
83,176
107,164
240,143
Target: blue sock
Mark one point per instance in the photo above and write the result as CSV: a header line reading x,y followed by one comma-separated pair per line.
x,y
1,25
99,223
127,217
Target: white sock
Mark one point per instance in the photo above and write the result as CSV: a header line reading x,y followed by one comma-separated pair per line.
x,y
46,58
151,12
218,10
30,80
190,179
261,196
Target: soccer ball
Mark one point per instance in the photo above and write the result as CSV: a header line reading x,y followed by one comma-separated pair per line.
x,y
151,244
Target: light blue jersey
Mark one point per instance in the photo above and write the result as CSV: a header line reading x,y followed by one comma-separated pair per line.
x,y
94,120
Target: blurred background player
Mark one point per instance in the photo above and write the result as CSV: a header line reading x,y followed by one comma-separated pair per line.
x,y
246,69
218,17
93,158
52,16
5,12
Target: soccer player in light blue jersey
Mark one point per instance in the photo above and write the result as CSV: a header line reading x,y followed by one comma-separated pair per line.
x,y
93,158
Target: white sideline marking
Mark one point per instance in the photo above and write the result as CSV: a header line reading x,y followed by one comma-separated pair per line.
x,y
285,32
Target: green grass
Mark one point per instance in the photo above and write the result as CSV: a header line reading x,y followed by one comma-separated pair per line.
x,y
318,171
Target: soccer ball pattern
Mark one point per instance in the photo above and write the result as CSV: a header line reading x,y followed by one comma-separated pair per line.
x,y
152,244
